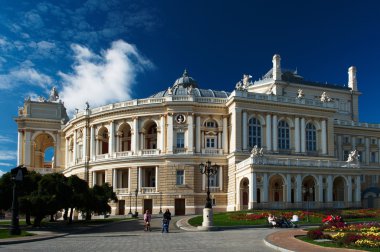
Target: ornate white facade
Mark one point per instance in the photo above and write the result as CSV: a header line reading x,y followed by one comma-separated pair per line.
x,y
304,133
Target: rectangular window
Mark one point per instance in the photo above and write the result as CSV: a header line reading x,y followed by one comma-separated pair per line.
x,y
210,142
374,179
360,156
180,177
373,141
360,141
214,180
373,157
180,140
346,141
362,178
345,155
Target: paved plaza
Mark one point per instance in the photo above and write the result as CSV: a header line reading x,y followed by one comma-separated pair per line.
x,y
129,236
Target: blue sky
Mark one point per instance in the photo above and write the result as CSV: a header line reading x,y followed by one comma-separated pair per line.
x,y
108,51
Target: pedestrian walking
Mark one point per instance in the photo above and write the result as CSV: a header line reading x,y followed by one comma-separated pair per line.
x,y
147,220
166,221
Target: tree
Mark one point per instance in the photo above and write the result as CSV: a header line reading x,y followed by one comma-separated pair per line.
x,y
98,199
80,192
29,185
6,187
53,194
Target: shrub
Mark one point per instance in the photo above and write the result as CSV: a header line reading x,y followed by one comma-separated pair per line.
x,y
315,234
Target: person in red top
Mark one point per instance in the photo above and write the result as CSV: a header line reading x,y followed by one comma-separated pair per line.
x,y
147,219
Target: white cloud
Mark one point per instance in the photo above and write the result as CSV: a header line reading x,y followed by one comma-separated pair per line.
x,y
1,172
6,164
4,139
8,155
104,78
24,76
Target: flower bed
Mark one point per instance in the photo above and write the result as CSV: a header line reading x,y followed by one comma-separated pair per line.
x,y
363,235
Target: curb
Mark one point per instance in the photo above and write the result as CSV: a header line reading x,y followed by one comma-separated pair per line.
x,y
276,247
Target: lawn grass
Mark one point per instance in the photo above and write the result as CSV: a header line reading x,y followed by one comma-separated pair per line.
x,y
332,244
240,218
4,233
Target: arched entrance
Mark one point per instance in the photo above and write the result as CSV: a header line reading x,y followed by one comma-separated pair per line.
x,y
276,189
43,151
102,139
338,189
244,193
308,189
124,138
150,135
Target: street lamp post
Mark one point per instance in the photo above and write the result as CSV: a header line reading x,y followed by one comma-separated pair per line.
x,y
136,193
130,203
209,170
160,203
17,177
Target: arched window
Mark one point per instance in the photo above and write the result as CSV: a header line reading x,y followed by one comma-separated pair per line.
x,y
254,133
311,137
283,136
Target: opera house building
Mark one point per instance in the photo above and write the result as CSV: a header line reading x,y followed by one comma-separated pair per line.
x,y
280,142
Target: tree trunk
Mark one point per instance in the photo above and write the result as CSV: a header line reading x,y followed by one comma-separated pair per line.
x,y
88,216
37,221
52,218
71,215
27,218
65,214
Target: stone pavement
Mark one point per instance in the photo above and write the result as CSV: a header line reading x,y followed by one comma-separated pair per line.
x,y
129,235
285,240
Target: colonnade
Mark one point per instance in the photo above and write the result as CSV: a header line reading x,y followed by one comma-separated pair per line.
x,y
318,188
271,133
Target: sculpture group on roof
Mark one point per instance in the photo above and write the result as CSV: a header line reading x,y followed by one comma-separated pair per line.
x,y
257,154
300,94
244,83
353,159
325,97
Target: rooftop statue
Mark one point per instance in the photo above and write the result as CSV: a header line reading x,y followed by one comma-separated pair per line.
x,y
353,159
53,95
257,154
325,97
243,84
300,94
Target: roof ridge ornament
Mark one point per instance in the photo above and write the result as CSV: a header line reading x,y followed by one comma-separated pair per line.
x,y
185,73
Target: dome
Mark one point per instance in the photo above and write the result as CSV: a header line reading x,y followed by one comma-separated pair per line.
x,y
185,81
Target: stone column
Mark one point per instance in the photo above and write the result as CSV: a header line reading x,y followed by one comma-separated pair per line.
x,y
114,179
93,178
111,142
265,187
129,179
156,177
252,191
140,178
170,134
324,138
92,142
298,188
142,142
353,143
303,135
84,139
320,188
349,189
245,131
367,151
219,140
198,134
135,137
67,153
329,188
202,139
220,172
28,149
275,133
357,189
297,135
19,147
75,147
288,188
268,132
190,135
57,155
235,140
225,135
162,135
339,148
